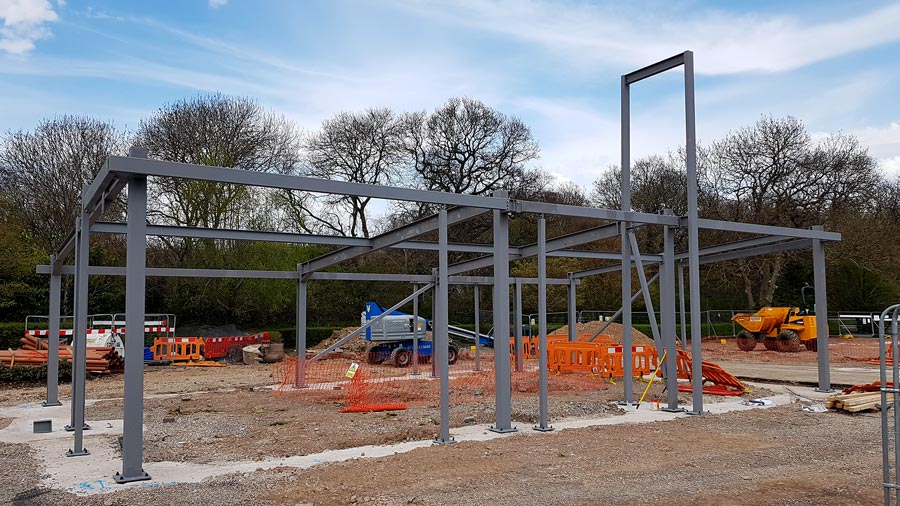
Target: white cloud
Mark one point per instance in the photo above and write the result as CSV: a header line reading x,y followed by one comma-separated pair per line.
x,y
215,4
890,166
883,142
24,22
726,43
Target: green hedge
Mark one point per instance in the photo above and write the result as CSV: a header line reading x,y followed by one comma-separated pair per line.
x,y
10,333
23,374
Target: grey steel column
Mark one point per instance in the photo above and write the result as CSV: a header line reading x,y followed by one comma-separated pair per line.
x,y
645,289
681,318
477,327
441,338
79,338
517,330
627,360
542,326
135,309
821,310
667,315
415,329
53,340
693,233
573,323
300,367
503,401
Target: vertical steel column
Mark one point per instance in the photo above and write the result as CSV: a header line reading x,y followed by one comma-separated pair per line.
x,y
667,315
542,326
300,367
693,231
503,401
681,316
477,326
53,339
75,295
79,337
517,330
628,380
135,309
821,309
573,323
441,338
415,323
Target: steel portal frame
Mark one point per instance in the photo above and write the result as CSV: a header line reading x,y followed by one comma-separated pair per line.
x,y
132,171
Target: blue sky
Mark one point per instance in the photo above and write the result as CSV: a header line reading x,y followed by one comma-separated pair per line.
x,y
835,65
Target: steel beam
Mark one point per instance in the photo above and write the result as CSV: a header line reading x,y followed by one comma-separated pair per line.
x,y
300,368
558,243
592,212
502,398
543,405
645,289
758,250
135,309
441,337
517,329
821,310
656,68
387,239
53,341
79,339
158,168
626,261
571,302
667,317
693,225
751,228
682,320
477,301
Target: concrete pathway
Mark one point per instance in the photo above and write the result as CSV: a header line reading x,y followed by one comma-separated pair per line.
x,y
804,374
92,474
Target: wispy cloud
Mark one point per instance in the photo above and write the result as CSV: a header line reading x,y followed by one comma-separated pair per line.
x,y
626,34
24,23
215,4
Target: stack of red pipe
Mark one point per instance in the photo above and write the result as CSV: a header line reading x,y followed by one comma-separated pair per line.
x,y
34,352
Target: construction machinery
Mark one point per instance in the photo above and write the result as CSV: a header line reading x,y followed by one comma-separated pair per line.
x,y
392,338
782,329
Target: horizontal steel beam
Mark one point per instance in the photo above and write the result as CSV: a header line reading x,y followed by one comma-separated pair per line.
x,y
387,239
96,270
601,255
751,228
143,166
731,246
557,243
656,68
525,206
756,251
284,237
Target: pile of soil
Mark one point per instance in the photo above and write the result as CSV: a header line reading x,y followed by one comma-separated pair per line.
x,y
614,331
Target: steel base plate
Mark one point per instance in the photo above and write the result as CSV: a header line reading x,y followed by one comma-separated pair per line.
x,y
128,479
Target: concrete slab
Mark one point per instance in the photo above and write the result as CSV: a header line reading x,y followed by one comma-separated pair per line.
x,y
92,474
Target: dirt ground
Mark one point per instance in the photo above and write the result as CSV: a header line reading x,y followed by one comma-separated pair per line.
x,y
775,456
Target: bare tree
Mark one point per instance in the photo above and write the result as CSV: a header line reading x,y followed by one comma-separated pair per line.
x,y
657,183
42,173
464,146
364,147
220,131
773,173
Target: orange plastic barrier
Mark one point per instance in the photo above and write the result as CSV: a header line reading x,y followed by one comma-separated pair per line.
x,y
575,356
530,345
178,348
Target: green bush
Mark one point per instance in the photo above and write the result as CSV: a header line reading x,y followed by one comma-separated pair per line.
x,y
27,374
10,333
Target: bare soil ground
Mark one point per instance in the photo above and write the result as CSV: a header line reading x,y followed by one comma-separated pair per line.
x,y
858,352
780,456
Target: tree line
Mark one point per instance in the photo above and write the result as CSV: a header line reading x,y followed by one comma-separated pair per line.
x,y
771,172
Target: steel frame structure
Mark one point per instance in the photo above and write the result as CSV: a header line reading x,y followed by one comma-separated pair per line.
x,y
132,172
